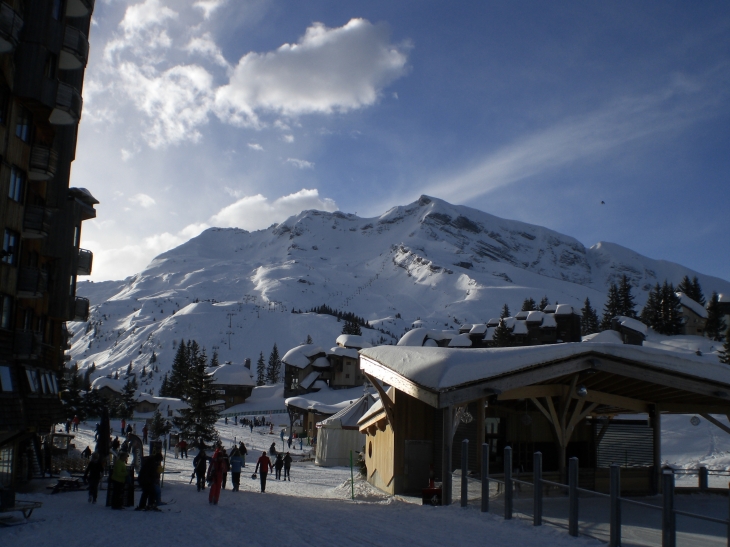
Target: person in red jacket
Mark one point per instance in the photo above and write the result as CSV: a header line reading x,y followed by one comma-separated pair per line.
x,y
218,468
265,464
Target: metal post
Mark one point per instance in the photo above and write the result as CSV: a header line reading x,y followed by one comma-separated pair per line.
x,y
573,494
464,471
615,503
704,478
446,456
485,478
656,425
669,530
537,489
507,482
728,524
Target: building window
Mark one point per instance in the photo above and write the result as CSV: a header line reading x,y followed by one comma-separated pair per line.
x,y
6,381
77,236
347,375
33,383
24,124
6,309
57,9
11,242
17,184
6,466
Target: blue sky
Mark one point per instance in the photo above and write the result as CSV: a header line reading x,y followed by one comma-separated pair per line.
x,y
238,113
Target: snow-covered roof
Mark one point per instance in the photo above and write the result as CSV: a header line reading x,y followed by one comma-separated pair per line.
x,y
344,352
605,337
535,317
352,341
493,322
489,335
419,336
103,381
377,407
566,309
509,322
233,375
309,379
520,328
460,341
321,363
327,400
631,323
522,315
479,328
723,297
348,417
548,321
550,308
439,369
301,356
696,307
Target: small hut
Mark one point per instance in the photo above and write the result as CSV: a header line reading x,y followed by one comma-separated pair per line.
x,y
339,434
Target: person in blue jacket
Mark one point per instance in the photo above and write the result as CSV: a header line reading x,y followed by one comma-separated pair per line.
x,y
236,464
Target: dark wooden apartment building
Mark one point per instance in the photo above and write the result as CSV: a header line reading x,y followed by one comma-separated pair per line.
x,y
43,54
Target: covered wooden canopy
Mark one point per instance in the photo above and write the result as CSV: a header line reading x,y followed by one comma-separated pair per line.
x,y
566,383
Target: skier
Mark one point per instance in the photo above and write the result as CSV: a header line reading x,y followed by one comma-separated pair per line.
x,y
199,464
218,467
278,464
93,474
236,463
119,477
243,451
287,466
265,463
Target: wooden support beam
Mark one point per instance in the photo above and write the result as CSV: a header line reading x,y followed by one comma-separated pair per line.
x,y
554,420
716,422
388,405
542,409
386,375
532,392
560,390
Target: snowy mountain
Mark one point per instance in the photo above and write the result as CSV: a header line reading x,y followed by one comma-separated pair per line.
x,y
235,291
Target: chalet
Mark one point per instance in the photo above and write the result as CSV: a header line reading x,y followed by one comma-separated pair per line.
x,y
694,315
109,389
632,330
303,365
563,400
234,383
43,52
146,405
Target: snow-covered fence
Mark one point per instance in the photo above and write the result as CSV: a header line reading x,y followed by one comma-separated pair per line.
x,y
508,484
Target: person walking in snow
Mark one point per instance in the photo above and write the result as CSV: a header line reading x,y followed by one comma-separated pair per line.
x,y
218,467
278,464
236,464
200,463
272,449
251,426
225,457
287,466
265,464
93,474
119,477
243,450
184,449
146,480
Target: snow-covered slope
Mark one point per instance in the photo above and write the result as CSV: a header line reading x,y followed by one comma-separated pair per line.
x,y
430,261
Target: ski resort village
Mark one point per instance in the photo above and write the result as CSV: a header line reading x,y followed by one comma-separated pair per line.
x,y
331,274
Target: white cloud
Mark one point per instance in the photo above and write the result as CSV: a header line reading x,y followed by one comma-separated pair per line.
x,y
208,6
288,138
300,164
256,212
255,146
205,46
143,200
328,70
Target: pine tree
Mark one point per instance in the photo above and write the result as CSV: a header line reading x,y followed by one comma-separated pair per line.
x,y
652,313
671,311
179,373
543,303
611,308
502,336
159,427
350,327
214,359
692,289
261,370
126,406
197,421
129,369
715,326
505,312
165,387
309,340
274,366
153,359
72,394
529,305
93,403
589,322
626,299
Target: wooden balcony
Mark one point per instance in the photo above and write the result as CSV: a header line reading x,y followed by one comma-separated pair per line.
x,y
67,109
43,162
36,222
26,344
86,258
80,309
32,282
74,51
79,8
10,25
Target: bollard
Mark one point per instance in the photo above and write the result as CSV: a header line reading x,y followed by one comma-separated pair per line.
x,y
615,507
573,493
485,478
507,482
537,489
704,478
669,530
464,470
